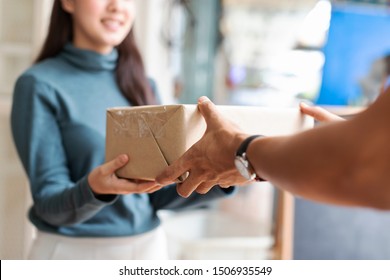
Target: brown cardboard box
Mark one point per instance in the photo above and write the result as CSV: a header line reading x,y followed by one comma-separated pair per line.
x,y
155,136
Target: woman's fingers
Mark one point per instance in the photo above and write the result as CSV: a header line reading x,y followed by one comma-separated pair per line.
x,y
111,166
154,189
103,180
124,186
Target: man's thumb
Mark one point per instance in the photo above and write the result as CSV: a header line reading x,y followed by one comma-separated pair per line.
x,y
207,109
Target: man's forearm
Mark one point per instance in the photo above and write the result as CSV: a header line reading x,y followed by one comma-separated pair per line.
x,y
322,164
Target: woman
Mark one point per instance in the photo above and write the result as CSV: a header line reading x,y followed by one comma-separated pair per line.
x,y
89,62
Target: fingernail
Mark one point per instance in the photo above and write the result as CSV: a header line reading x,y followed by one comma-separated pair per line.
x,y
203,99
123,158
162,183
182,194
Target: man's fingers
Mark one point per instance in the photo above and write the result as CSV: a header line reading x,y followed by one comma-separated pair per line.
x,y
111,166
205,187
314,112
318,113
189,185
169,175
174,171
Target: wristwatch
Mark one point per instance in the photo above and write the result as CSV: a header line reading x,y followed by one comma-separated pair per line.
x,y
241,161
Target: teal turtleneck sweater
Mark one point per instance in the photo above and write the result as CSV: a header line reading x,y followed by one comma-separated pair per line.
x,y
58,123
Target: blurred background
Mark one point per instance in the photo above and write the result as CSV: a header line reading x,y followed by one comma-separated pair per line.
x,y
272,53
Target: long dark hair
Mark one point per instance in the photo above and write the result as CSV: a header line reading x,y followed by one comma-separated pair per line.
x,y
130,72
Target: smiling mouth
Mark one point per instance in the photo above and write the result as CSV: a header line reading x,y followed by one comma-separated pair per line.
x,y
112,25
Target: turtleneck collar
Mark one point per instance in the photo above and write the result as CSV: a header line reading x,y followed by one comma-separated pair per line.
x,y
89,60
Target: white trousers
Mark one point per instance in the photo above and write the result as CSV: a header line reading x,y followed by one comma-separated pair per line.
x,y
148,246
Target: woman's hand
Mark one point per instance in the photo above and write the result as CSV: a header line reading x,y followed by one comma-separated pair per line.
x,y
104,181
319,113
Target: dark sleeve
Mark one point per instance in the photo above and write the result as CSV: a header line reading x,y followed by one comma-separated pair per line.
x,y
36,132
168,198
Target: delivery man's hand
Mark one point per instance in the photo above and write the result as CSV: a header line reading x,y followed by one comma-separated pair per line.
x,y
210,161
103,180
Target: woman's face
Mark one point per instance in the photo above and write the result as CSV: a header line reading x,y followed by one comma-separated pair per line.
x,y
100,25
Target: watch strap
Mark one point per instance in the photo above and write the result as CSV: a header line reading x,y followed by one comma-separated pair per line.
x,y
241,151
244,145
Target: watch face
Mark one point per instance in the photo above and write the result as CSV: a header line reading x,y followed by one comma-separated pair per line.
x,y
241,165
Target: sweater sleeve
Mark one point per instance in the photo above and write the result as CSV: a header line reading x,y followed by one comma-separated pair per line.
x,y
168,198
37,136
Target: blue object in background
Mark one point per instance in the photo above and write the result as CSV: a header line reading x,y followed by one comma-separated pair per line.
x,y
357,36
325,232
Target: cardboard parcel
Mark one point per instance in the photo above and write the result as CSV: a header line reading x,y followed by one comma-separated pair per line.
x,y
155,136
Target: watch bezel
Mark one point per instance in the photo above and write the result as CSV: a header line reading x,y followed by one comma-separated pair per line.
x,y
242,165
241,161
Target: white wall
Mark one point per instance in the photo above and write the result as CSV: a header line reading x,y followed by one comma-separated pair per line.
x,y
22,27
15,230
148,24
